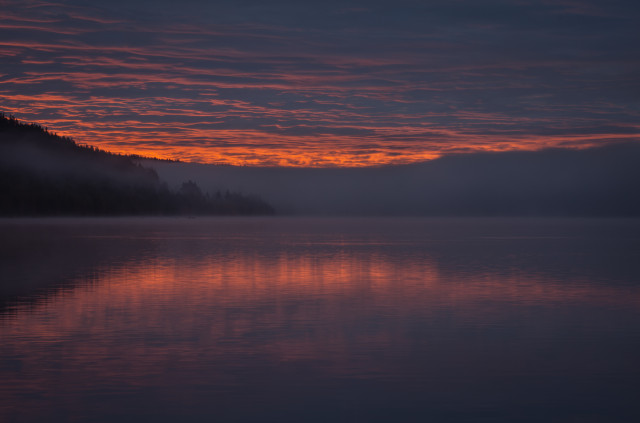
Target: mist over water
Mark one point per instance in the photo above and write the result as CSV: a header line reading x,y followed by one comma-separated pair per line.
x,y
320,319
555,182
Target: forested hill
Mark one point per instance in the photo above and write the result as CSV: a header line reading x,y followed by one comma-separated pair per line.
x,y
42,173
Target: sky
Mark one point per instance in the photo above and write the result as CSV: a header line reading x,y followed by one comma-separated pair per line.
x,y
323,83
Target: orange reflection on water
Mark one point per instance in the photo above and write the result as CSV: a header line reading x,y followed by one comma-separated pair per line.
x,y
190,319
271,291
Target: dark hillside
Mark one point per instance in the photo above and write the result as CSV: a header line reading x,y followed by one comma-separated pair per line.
x,y
42,173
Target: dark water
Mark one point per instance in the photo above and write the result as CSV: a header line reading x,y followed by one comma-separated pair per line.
x,y
320,320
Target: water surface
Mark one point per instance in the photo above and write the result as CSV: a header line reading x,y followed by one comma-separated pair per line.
x,y
341,320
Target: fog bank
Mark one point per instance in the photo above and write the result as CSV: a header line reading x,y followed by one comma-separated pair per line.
x,y
603,181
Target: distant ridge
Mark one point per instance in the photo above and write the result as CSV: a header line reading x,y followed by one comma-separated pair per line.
x,y
42,173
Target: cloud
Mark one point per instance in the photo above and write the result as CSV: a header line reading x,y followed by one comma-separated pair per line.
x,y
323,82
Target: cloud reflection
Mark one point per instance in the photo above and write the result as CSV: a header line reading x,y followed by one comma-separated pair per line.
x,y
183,318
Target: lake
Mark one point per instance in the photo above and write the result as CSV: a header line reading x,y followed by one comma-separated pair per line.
x,y
319,320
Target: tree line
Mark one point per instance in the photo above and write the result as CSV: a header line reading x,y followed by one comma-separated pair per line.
x,y
42,173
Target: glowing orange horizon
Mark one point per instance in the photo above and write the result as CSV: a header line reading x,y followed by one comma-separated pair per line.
x,y
165,142
310,156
